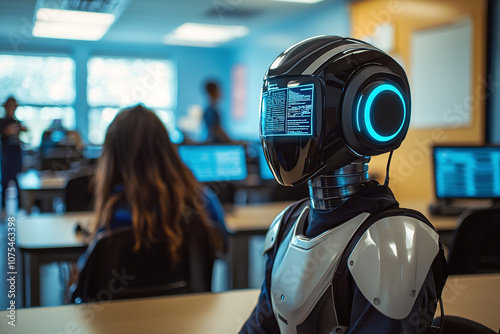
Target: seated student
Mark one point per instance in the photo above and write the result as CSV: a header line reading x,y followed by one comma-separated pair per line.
x,y
141,182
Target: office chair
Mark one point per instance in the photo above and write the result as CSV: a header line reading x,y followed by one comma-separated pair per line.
x,y
113,270
458,325
78,193
476,243
225,191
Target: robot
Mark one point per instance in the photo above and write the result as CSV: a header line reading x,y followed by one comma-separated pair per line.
x,y
347,259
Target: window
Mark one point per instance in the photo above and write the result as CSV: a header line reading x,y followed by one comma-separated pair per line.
x,y
115,83
44,88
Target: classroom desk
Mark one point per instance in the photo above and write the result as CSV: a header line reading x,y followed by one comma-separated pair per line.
x,y
255,219
47,237
474,297
42,187
207,313
242,223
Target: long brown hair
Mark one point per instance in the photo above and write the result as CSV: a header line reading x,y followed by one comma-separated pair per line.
x,y
159,188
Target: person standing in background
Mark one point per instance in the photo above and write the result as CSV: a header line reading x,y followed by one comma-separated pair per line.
x,y
10,127
216,133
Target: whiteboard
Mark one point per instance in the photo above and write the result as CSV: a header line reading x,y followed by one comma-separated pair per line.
x,y
441,60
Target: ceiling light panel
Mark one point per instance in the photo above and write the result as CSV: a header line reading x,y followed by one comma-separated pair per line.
x,y
209,35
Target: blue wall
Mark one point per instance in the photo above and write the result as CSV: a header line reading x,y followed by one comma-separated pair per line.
x,y
194,66
256,53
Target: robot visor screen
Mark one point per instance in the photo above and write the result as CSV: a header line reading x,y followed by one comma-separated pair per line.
x,y
287,111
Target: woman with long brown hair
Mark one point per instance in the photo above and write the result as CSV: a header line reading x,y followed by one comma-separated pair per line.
x,y
141,182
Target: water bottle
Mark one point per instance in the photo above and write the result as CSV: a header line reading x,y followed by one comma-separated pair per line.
x,y
11,201
58,205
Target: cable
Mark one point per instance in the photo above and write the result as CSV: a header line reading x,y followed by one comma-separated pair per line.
x,y
386,181
441,308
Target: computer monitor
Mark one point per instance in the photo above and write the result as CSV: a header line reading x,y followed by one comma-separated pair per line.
x,y
467,172
264,170
215,163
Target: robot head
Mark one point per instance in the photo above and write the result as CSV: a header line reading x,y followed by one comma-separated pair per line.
x,y
328,101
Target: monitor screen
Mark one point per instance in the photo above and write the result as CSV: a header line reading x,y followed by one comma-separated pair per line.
x,y
287,111
215,163
264,170
466,171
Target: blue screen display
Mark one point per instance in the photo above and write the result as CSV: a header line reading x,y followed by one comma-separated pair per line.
x,y
215,163
265,171
467,172
287,111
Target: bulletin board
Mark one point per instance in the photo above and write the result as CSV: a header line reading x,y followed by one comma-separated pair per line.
x,y
440,77
447,89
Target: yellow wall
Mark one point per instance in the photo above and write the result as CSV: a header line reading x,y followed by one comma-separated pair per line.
x,y
411,167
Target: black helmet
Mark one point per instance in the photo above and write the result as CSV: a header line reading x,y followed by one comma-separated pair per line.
x,y
328,101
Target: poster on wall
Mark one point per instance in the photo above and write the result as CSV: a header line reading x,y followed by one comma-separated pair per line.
x,y
441,71
238,91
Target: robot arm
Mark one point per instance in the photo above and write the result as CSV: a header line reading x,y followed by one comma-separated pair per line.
x,y
391,261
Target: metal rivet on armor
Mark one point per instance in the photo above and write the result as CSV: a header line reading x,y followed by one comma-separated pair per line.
x,y
413,293
338,330
351,262
282,297
376,301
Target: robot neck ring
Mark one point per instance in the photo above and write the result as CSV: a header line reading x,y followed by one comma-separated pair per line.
x,y
329,191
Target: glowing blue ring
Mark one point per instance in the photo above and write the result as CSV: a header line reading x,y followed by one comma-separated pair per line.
x,y
371,131
357,115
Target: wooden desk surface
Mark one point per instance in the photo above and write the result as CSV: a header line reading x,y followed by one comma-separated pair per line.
x,y
222,313
253,217
476,297
48,230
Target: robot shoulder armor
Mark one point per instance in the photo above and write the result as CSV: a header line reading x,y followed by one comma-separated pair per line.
x,y
272,233
391,261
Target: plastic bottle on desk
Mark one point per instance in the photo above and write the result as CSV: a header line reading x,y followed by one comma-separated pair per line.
x,y
11,201
2,216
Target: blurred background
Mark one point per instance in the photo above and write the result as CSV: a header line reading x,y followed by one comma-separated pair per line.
x,y
71,65
81,69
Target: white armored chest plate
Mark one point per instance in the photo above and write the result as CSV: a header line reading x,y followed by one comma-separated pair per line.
x,y
304,269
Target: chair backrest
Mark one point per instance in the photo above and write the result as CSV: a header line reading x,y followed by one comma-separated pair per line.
x,y
78,193
458,325
476,244
225,191
113,270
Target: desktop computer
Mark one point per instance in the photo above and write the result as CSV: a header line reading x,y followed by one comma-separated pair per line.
x,y
465,173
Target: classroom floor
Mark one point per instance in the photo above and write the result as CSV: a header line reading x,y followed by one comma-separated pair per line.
x,y
52,291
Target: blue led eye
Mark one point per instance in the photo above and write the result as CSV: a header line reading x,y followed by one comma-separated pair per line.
x,y
371,131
